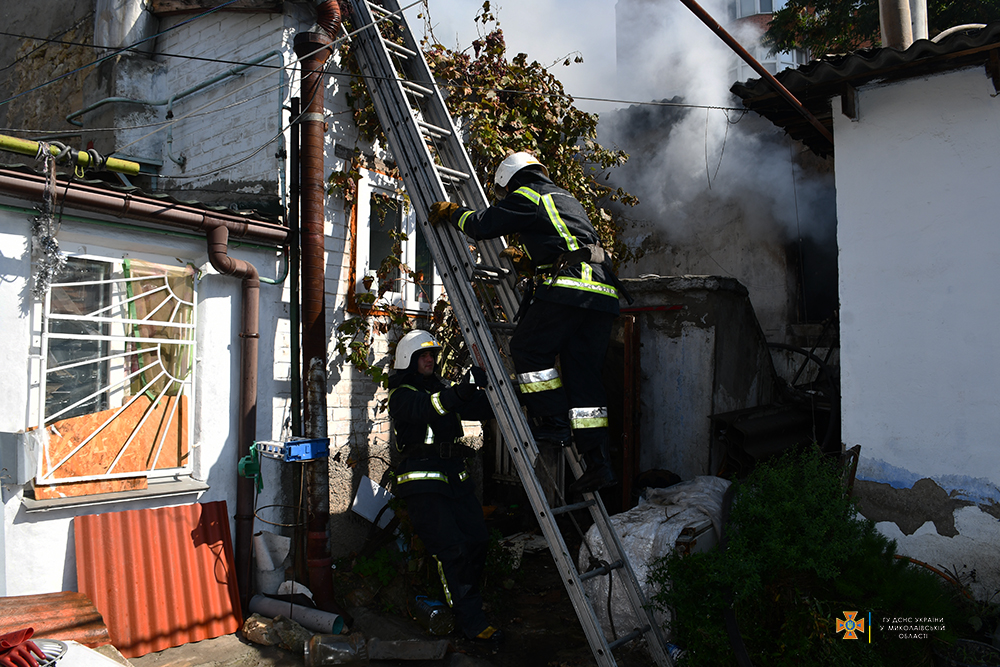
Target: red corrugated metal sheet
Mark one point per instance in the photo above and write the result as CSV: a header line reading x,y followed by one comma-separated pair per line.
x,y
162,577
66,615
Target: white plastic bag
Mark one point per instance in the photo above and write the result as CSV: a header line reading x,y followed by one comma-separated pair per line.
x,y
647,532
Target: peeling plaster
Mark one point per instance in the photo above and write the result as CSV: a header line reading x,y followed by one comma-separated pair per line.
x,y
963,554
909,508
976,490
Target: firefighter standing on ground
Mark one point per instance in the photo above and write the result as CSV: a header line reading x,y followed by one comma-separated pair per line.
x,y
440,496
570,314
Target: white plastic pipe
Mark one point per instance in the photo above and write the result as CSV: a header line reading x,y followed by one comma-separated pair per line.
x,y
316,620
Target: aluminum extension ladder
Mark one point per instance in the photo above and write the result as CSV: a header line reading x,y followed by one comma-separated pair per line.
x,y
435,166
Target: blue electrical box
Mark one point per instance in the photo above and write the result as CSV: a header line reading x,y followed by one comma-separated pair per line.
x,y
296,449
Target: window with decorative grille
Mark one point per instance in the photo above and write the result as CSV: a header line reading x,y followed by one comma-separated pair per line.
x,y
116,375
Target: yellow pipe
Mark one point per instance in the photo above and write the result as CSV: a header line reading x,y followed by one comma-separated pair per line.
x,y
83,159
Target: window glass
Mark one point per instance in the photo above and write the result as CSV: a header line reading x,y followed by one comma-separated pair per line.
x,y
747,8
76,385
384,224
424,267
393,241
765,7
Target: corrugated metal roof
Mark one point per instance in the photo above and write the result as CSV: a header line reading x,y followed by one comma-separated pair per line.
x,y
67,615
816,82
160,577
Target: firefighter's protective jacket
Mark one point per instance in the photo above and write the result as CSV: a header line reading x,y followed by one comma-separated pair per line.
x,y
549,223
427,415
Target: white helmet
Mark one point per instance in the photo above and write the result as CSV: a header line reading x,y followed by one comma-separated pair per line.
x,y
413,342
513,164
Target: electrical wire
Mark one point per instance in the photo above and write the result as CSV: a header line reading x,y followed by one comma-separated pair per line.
x,y
115,53
364,77
44,41
197,111
35,50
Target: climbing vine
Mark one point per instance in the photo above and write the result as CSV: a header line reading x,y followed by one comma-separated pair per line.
x,y
504,106
501,106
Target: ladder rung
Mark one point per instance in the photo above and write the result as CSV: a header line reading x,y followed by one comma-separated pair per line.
x,y
378,9
452,172
399,50
453,180
635,634
506,326
417,89
433,130
601,571
490,274
556,511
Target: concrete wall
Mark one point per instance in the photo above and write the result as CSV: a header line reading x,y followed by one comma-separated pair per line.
x,y
919,269
33,62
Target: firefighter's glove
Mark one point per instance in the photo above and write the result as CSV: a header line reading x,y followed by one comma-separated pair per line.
x,y
479,377
17,651
441,212
520,260
473,380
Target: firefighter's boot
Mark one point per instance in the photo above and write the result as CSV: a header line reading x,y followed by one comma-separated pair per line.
x,y
599,473
552,429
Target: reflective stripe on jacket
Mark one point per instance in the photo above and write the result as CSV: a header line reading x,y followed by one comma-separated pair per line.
x,y
549,222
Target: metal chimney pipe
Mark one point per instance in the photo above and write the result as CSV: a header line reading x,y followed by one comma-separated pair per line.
x,y
894,19
313,48
918,19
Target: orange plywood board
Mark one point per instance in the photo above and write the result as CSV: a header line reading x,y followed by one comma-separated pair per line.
x,y
158,437
160,578
73,489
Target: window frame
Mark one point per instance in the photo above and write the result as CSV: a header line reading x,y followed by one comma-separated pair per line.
x,y
736,7
118,375
377,183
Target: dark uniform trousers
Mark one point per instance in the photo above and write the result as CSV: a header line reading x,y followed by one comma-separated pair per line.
x,y
579,336
440,495
451,526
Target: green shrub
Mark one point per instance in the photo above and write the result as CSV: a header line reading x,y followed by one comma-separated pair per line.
x,y
798,556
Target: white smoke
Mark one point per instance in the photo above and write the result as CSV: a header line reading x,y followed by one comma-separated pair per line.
x,y
691,167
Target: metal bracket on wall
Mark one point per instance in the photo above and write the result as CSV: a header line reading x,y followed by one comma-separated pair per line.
x,y
993,69
849,102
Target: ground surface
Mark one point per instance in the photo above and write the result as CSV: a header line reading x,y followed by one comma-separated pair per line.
x,y
536,614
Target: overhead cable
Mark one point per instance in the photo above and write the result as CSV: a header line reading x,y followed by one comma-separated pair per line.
x,y
116,52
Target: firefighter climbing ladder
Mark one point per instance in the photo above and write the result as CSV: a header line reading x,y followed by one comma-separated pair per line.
x,y
435,167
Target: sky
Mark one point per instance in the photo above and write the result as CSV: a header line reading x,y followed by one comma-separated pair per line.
x,y
547,30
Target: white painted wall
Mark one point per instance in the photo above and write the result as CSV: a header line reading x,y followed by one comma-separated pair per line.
x,y
919,273
40,551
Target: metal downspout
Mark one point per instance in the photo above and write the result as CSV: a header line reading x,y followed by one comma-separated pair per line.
x,y
218,240
124,205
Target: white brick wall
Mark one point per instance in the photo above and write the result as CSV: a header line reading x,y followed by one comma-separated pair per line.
x,y
244,110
